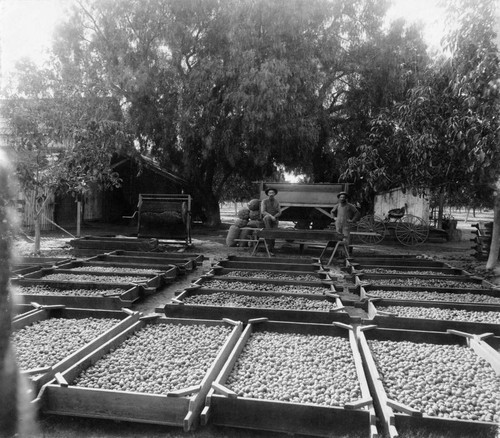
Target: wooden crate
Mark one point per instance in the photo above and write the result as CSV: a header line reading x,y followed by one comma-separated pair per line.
x,y
397,417
41,376
377,315
177,308
130,295
180,408
226,408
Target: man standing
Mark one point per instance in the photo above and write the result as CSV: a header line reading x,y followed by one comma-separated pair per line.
x,y
344,214
270,210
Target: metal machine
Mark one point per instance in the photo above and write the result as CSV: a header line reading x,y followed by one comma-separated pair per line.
x,y
164,216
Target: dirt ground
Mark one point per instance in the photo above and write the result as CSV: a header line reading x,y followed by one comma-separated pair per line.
x,y
211,243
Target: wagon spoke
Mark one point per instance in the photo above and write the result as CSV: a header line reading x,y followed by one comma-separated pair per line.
x,y
371,224
411,230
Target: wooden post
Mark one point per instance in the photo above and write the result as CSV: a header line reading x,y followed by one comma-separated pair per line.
x,y
78,217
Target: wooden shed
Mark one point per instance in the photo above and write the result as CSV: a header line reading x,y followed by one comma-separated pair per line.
x,y
139,175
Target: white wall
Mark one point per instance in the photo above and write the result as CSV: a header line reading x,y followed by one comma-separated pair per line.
x,y
417,205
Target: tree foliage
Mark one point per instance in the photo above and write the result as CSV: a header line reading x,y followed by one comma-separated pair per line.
x,y
443,137
229,90
63,137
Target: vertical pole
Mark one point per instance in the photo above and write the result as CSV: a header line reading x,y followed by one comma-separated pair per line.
x,y
78,217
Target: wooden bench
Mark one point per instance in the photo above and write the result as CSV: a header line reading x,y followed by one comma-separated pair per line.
x,y
252,239
325,238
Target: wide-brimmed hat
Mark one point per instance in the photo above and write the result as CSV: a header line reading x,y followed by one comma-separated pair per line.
x,y
270,188
343,193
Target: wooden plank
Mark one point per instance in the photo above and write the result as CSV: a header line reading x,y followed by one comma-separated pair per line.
x,y
115,405
484,351
366,397
197,403
375,382
244,314
270,264
288,417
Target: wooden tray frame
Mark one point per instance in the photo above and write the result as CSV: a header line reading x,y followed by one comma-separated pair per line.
x,y
277,259
165,273
358,269
400,261
270,264
198,258
223,272
154,280
153,262
213,274
366,289
392,416
172,409
382,319
42,376
131,294
365,278
227,409
178,309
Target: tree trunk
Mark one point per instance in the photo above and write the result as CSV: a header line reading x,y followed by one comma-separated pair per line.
x,y
38,232
495,236
440,210
212,211
78,218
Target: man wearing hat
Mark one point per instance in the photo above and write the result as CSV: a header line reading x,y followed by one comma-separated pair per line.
x,y
270,210
344,214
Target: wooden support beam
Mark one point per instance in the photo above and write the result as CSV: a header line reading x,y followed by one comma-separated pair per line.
x,y
184,391
403,408
221,389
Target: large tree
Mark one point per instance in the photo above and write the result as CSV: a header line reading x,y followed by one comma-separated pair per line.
x,y
224,90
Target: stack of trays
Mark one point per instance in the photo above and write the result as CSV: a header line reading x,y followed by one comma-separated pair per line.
x,y
427,298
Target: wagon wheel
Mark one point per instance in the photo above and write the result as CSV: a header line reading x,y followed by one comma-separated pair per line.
x,y
371,224
411,230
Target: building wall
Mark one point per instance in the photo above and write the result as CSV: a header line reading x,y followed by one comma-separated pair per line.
x,y
417,205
